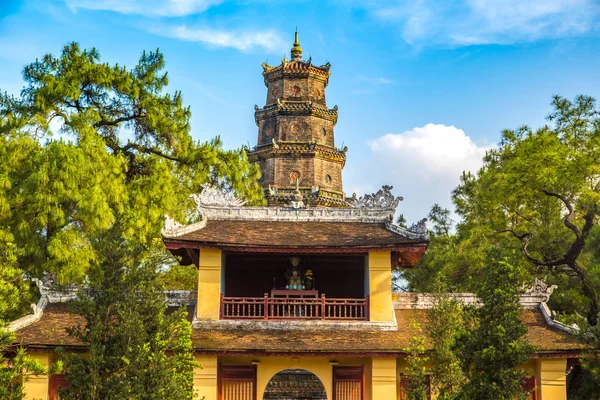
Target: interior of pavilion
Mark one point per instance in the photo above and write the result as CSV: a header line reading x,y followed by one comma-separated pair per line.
x,y
334,275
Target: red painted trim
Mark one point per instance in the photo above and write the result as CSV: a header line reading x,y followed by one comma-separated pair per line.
x,y
45,348
56,381
404,385
238,373
363,354
348,374
529,384
412,248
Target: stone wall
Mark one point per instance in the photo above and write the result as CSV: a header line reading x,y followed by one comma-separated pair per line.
x,y
296,128
297,89
310,170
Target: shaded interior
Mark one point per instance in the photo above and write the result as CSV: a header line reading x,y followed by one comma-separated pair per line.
x,y
336,276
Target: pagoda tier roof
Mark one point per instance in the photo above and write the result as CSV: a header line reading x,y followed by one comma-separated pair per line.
x,y
50,331
296,68
282,149
295,108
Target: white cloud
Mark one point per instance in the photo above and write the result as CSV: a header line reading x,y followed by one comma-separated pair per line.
x,y
161,8
469,22
377,80
242,41
424,165
438,150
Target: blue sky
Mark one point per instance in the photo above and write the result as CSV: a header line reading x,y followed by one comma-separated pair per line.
x,y
423,87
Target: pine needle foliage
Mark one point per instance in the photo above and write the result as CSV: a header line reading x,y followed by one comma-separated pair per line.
x,y
445,321
87,143
136,349
492,344
416,373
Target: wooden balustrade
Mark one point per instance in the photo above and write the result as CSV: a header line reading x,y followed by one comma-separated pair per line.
x,y
275,308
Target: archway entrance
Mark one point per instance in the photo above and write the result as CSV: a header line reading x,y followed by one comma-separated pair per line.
x,y
295,384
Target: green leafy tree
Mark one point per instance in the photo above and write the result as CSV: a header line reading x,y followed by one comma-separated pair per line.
x,y
491,345
445,265
539,191
136,349
416,372
444,322
15,365
179,277
87,143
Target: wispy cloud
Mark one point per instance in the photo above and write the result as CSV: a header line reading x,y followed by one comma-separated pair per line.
x,y
476,22
161,8
245,41
377,80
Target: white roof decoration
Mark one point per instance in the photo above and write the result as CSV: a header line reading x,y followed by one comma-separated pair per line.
x,y
214,203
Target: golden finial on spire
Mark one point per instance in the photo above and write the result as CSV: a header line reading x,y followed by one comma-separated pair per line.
x,y
296,49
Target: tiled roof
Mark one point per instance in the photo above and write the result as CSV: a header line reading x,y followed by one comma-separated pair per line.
x,y
291,235
545,338
298,66
50,332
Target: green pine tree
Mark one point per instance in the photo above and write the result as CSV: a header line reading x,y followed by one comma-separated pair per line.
x,y
87,143
136,349
492,343
444,322
416,373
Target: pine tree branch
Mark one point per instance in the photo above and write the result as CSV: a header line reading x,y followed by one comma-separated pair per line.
x,y
106,122
150,150
569,216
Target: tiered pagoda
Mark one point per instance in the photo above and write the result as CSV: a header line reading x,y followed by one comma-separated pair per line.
x,y
294,299
296,145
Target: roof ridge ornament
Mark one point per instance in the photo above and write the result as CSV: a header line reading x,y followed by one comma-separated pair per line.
x,y
541,288
214,196
383,199
419,227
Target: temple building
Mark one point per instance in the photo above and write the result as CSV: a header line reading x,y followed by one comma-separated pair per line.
x,y
295,298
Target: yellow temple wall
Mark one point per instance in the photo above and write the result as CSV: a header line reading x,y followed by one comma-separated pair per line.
x,y
267,367
380,286
36,386
205,377
382,375
209,284
551,378
379,376
384,383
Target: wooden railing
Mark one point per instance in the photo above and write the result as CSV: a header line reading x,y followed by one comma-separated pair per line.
x,y
294,308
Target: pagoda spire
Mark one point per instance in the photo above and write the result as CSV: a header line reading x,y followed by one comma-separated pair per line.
x,y
296,49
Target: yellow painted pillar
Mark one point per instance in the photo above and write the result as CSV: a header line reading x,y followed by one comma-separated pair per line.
x,y
37,386
205,377
551,379
209,284
383,378
380,286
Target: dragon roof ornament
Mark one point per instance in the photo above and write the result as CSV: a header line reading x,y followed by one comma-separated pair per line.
x,y
540,288
383,199
213,196
419,227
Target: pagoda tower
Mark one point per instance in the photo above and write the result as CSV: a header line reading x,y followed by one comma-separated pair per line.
x,y
296,148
